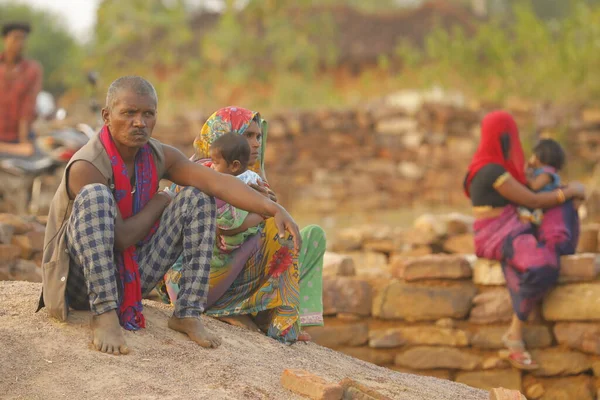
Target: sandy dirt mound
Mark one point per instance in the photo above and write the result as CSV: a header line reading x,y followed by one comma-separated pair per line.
x,y
42,358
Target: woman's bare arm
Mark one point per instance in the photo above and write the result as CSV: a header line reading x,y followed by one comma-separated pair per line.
x,y
517,193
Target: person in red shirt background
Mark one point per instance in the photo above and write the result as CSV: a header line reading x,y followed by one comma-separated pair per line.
x,y
20,83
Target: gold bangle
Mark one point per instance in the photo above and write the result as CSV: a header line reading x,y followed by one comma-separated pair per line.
x,y
560,196
500,180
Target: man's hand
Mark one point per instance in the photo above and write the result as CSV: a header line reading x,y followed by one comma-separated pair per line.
x,y
264,190
284,222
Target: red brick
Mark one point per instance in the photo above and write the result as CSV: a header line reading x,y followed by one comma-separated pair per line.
x,y
304,383
356,391
505,394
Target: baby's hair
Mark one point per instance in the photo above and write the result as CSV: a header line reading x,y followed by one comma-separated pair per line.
x,y
233,147
549,152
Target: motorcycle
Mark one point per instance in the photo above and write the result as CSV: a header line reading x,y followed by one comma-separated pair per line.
x,y
23,178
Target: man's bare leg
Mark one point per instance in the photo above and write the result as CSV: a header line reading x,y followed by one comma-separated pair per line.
x,y
195,329
107,334
242,321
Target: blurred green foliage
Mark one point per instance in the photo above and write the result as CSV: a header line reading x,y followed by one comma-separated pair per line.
x,y
273,54
523,55
51,44
270,41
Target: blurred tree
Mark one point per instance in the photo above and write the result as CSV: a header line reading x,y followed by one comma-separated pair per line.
x,y
373,6
528,57
49,43
545,9
142,37
123,27
264,42
269,37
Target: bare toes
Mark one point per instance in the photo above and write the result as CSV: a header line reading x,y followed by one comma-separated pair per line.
x,y
124,349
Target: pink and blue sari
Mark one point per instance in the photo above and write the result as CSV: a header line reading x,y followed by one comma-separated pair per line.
x,y
530,254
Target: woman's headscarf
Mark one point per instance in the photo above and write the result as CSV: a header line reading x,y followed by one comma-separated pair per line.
x,y
498,127
230,120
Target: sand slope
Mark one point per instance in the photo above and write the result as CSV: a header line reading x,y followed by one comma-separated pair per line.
x,y
41,358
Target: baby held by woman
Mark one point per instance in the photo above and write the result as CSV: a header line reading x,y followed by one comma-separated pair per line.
x,y
542,174
230,154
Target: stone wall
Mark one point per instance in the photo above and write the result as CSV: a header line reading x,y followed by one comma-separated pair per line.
x,y
408,149
418,301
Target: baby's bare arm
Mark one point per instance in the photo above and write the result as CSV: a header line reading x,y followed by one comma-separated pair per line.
x,y
537,183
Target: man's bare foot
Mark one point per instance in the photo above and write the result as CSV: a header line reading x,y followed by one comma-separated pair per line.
x,y
107,334
194,328
242,321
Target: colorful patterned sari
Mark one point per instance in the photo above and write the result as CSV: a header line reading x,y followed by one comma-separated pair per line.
x,y
262,275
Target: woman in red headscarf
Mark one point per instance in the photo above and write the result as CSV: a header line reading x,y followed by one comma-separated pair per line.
x,y
530,255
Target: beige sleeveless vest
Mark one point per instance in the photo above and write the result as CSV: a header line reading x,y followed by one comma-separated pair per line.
x,y
55,259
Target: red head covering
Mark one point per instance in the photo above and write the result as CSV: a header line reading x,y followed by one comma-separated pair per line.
x,y
494,126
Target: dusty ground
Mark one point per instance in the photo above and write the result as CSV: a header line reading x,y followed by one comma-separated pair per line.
x,y
41,358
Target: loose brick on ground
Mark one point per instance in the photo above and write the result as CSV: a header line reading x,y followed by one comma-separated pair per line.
x,y
304,383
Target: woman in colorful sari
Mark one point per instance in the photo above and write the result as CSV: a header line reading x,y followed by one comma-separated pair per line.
x,y
259,282
530,255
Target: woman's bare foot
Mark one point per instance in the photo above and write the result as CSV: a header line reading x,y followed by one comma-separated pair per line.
x,y
107,334
194,328
304,337
242,321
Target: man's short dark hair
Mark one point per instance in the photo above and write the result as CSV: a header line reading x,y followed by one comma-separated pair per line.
x,y
233,146
15,26
550,152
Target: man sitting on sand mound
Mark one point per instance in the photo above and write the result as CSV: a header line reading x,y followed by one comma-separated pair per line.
x,y
111,236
